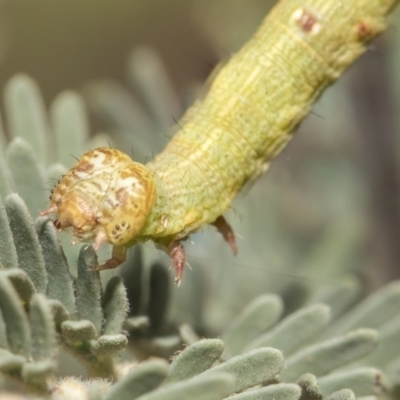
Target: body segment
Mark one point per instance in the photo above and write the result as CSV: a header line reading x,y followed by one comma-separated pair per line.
x,y
254,104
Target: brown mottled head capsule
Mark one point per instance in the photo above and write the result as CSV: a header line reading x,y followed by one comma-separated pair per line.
x,y
105,197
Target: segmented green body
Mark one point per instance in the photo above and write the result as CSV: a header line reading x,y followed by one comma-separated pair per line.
x,y
253,106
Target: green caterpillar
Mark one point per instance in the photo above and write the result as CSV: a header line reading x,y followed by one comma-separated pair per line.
x,y
254,105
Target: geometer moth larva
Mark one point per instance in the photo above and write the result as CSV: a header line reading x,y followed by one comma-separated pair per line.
x,y
251,111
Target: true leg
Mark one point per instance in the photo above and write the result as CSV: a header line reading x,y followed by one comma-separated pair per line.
x,y
118,256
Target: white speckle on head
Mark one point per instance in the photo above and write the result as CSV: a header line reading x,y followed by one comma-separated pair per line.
x,y
104,197
164,221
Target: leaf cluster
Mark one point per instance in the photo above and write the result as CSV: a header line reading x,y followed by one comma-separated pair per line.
x,y
321,350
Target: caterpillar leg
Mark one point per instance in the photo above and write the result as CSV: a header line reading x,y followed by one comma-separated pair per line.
x,y
177,253
118,256
227,233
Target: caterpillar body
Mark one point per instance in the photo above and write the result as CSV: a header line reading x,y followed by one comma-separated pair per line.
x,y
253,106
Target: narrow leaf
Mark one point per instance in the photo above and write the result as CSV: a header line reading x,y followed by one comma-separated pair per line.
x,y
252,368
100,140
3,334
30,257
159,295
35,374
88,288
55,172
78,331
10,363
139,380
321,358
70,125
344,394
362,381
132,272
28,175
7,185
255,319
195,359
373,312
147,70
60,282
17,328
42,329
306,323
115,306
140,323
280,391
188,334
3,137
26,114
163,346
22,284
8,253
201,387
309,387
368,398
59,312
339,297
110,343
389,339
113,101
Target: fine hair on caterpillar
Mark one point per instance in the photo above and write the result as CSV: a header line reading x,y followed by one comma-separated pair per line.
x,y
229,138
107,197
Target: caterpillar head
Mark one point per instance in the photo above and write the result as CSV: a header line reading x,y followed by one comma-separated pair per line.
x,y
104,197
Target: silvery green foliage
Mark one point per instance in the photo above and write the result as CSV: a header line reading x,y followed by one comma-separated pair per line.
x,y
326,348
87,319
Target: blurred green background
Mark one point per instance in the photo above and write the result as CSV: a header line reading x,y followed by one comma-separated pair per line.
x,y
325,213
65,44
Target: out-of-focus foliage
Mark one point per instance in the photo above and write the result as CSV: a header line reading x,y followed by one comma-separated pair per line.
x,y
318,231
43,307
